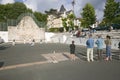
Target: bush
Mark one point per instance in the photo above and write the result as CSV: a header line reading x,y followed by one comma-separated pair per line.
x,y
76,27
61,29
53,29
67,29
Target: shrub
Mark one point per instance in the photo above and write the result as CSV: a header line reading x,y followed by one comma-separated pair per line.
x,y
61,29
53,29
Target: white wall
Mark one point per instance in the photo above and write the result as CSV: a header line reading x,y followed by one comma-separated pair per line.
x,y
48,36
4,35
81,41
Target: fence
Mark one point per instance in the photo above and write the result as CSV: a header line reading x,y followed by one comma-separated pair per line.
x,y
13,22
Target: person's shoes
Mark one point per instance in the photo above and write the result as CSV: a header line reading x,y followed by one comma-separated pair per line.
x,y
88,60
110,59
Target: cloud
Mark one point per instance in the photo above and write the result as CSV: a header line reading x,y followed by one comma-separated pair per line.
x,y
6,1
32,4
46,5
42,5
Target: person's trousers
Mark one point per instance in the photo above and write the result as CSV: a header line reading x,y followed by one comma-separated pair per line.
x,y
99,52
90,54
108,51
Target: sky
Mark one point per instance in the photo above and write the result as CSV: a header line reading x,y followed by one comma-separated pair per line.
x,y
43,5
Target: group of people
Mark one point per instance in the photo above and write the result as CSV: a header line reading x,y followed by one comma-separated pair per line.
x,y
79,33
31,42
90,45
99,42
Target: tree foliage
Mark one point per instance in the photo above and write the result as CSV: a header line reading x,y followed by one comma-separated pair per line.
x,y
2,12
112,12
64,23
40,17
88,15
71,18
13,10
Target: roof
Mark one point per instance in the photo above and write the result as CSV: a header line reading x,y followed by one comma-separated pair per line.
x,y
62,9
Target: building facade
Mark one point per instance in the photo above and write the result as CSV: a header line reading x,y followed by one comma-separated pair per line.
x,y
55,17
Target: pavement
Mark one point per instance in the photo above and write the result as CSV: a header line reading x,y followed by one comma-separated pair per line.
x,y
25,62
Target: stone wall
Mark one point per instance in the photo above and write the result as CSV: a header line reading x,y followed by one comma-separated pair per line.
x,y
26,30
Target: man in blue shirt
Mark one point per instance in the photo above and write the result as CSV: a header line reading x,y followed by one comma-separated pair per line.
x,y
99,43
90,45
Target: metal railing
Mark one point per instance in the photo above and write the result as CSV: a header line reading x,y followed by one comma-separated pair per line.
x,y
14,22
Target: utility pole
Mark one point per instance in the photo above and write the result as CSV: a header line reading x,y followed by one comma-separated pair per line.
x,y
73,4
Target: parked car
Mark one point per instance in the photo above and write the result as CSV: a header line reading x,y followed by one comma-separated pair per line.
x,y
101,28
115,26
85,29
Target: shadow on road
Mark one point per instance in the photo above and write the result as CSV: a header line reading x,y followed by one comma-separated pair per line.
x,y
1,64
81,56
4,47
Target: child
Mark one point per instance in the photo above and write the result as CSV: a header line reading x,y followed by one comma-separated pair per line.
x,y
13,43
33,42
72,51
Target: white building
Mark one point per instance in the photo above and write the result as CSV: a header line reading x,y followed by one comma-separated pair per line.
x,y
55,17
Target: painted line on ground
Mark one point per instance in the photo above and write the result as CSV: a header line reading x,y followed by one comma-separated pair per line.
x,y
52,58
23,65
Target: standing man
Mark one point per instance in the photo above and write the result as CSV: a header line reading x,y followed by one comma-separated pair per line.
x,y
99,43
72,51
90,45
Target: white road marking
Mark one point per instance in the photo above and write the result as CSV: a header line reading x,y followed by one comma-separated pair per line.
x,y
23,65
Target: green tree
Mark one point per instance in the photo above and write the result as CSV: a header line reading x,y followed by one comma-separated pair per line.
x,y
116,20
111,11
2,12
13,10
64,23
40,17
88,15
71,18
17,9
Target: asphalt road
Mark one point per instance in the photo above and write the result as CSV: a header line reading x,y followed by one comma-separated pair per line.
x,y
65,70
